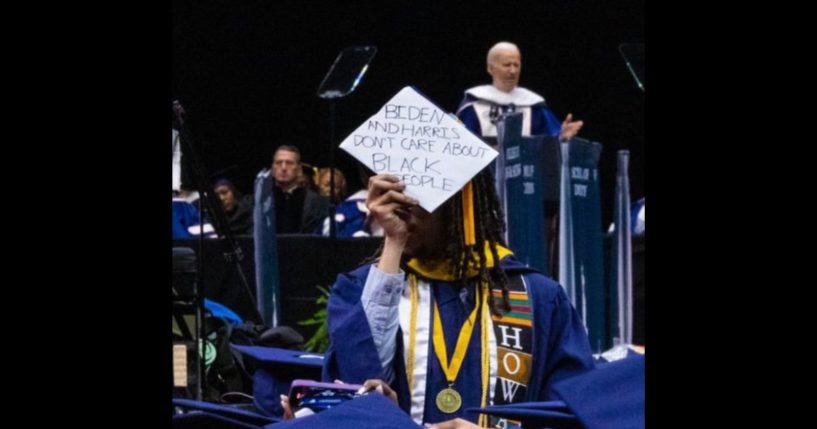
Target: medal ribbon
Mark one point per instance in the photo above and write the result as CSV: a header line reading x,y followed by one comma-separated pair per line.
x,y
451,370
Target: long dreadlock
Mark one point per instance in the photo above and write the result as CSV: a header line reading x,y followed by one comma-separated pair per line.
x,y
489,226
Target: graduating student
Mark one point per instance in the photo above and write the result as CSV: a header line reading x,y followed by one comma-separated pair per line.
x,y
446,319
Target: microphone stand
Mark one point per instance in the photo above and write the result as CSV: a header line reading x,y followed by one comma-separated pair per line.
x,y
332,204
343,77
230,249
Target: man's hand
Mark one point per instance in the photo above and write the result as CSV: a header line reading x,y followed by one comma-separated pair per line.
x,y
570,128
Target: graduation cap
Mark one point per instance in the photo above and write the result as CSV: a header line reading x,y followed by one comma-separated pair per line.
x,y
209,414
204,419
220,310
431,151
553,414
275,369
609,396
372,411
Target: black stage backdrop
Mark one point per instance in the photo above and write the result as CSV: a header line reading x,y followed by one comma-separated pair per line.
x,y
247,71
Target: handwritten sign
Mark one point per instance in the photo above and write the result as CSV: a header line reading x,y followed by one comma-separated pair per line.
x,y
429,149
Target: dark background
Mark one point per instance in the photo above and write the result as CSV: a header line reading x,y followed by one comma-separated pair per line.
x,y
247,71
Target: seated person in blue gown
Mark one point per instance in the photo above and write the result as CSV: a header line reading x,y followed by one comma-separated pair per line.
x,y
447,319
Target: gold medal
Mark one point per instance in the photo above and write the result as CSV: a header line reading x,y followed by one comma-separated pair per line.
x,y
448,400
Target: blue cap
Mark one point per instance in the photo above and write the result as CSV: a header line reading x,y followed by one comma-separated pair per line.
x,y
372,411
204,419
220,310
274,371
610,396
231,412
553,414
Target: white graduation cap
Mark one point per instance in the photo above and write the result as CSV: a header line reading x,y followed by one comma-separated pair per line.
x,y
429,149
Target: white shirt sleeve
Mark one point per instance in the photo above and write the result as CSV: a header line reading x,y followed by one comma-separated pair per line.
x,y
380,300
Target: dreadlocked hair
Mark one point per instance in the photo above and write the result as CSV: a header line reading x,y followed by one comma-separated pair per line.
x,y
489,226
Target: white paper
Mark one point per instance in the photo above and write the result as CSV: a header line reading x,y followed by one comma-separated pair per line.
x,y
429,149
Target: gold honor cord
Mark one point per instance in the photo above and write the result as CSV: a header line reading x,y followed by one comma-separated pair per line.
x,y
468,227
451,396
448,399
486,358
415,299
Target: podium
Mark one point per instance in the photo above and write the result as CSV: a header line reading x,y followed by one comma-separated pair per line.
x,y
527,183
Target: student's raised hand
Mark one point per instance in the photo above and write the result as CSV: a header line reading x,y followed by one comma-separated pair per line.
x,y
387,204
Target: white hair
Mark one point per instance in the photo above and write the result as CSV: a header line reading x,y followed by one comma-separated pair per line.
x,y
501,46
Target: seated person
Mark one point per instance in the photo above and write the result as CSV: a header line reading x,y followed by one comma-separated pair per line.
x,y
324,184
351,215
237,209
185,216
298,209
352,218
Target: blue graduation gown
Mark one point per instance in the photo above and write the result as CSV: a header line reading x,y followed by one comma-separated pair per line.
x,y
543,121
560,344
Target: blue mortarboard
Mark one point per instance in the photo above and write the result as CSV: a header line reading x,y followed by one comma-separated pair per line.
x,y
220,310
372,411
204,419
609,396
228,411
274,371
553,414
